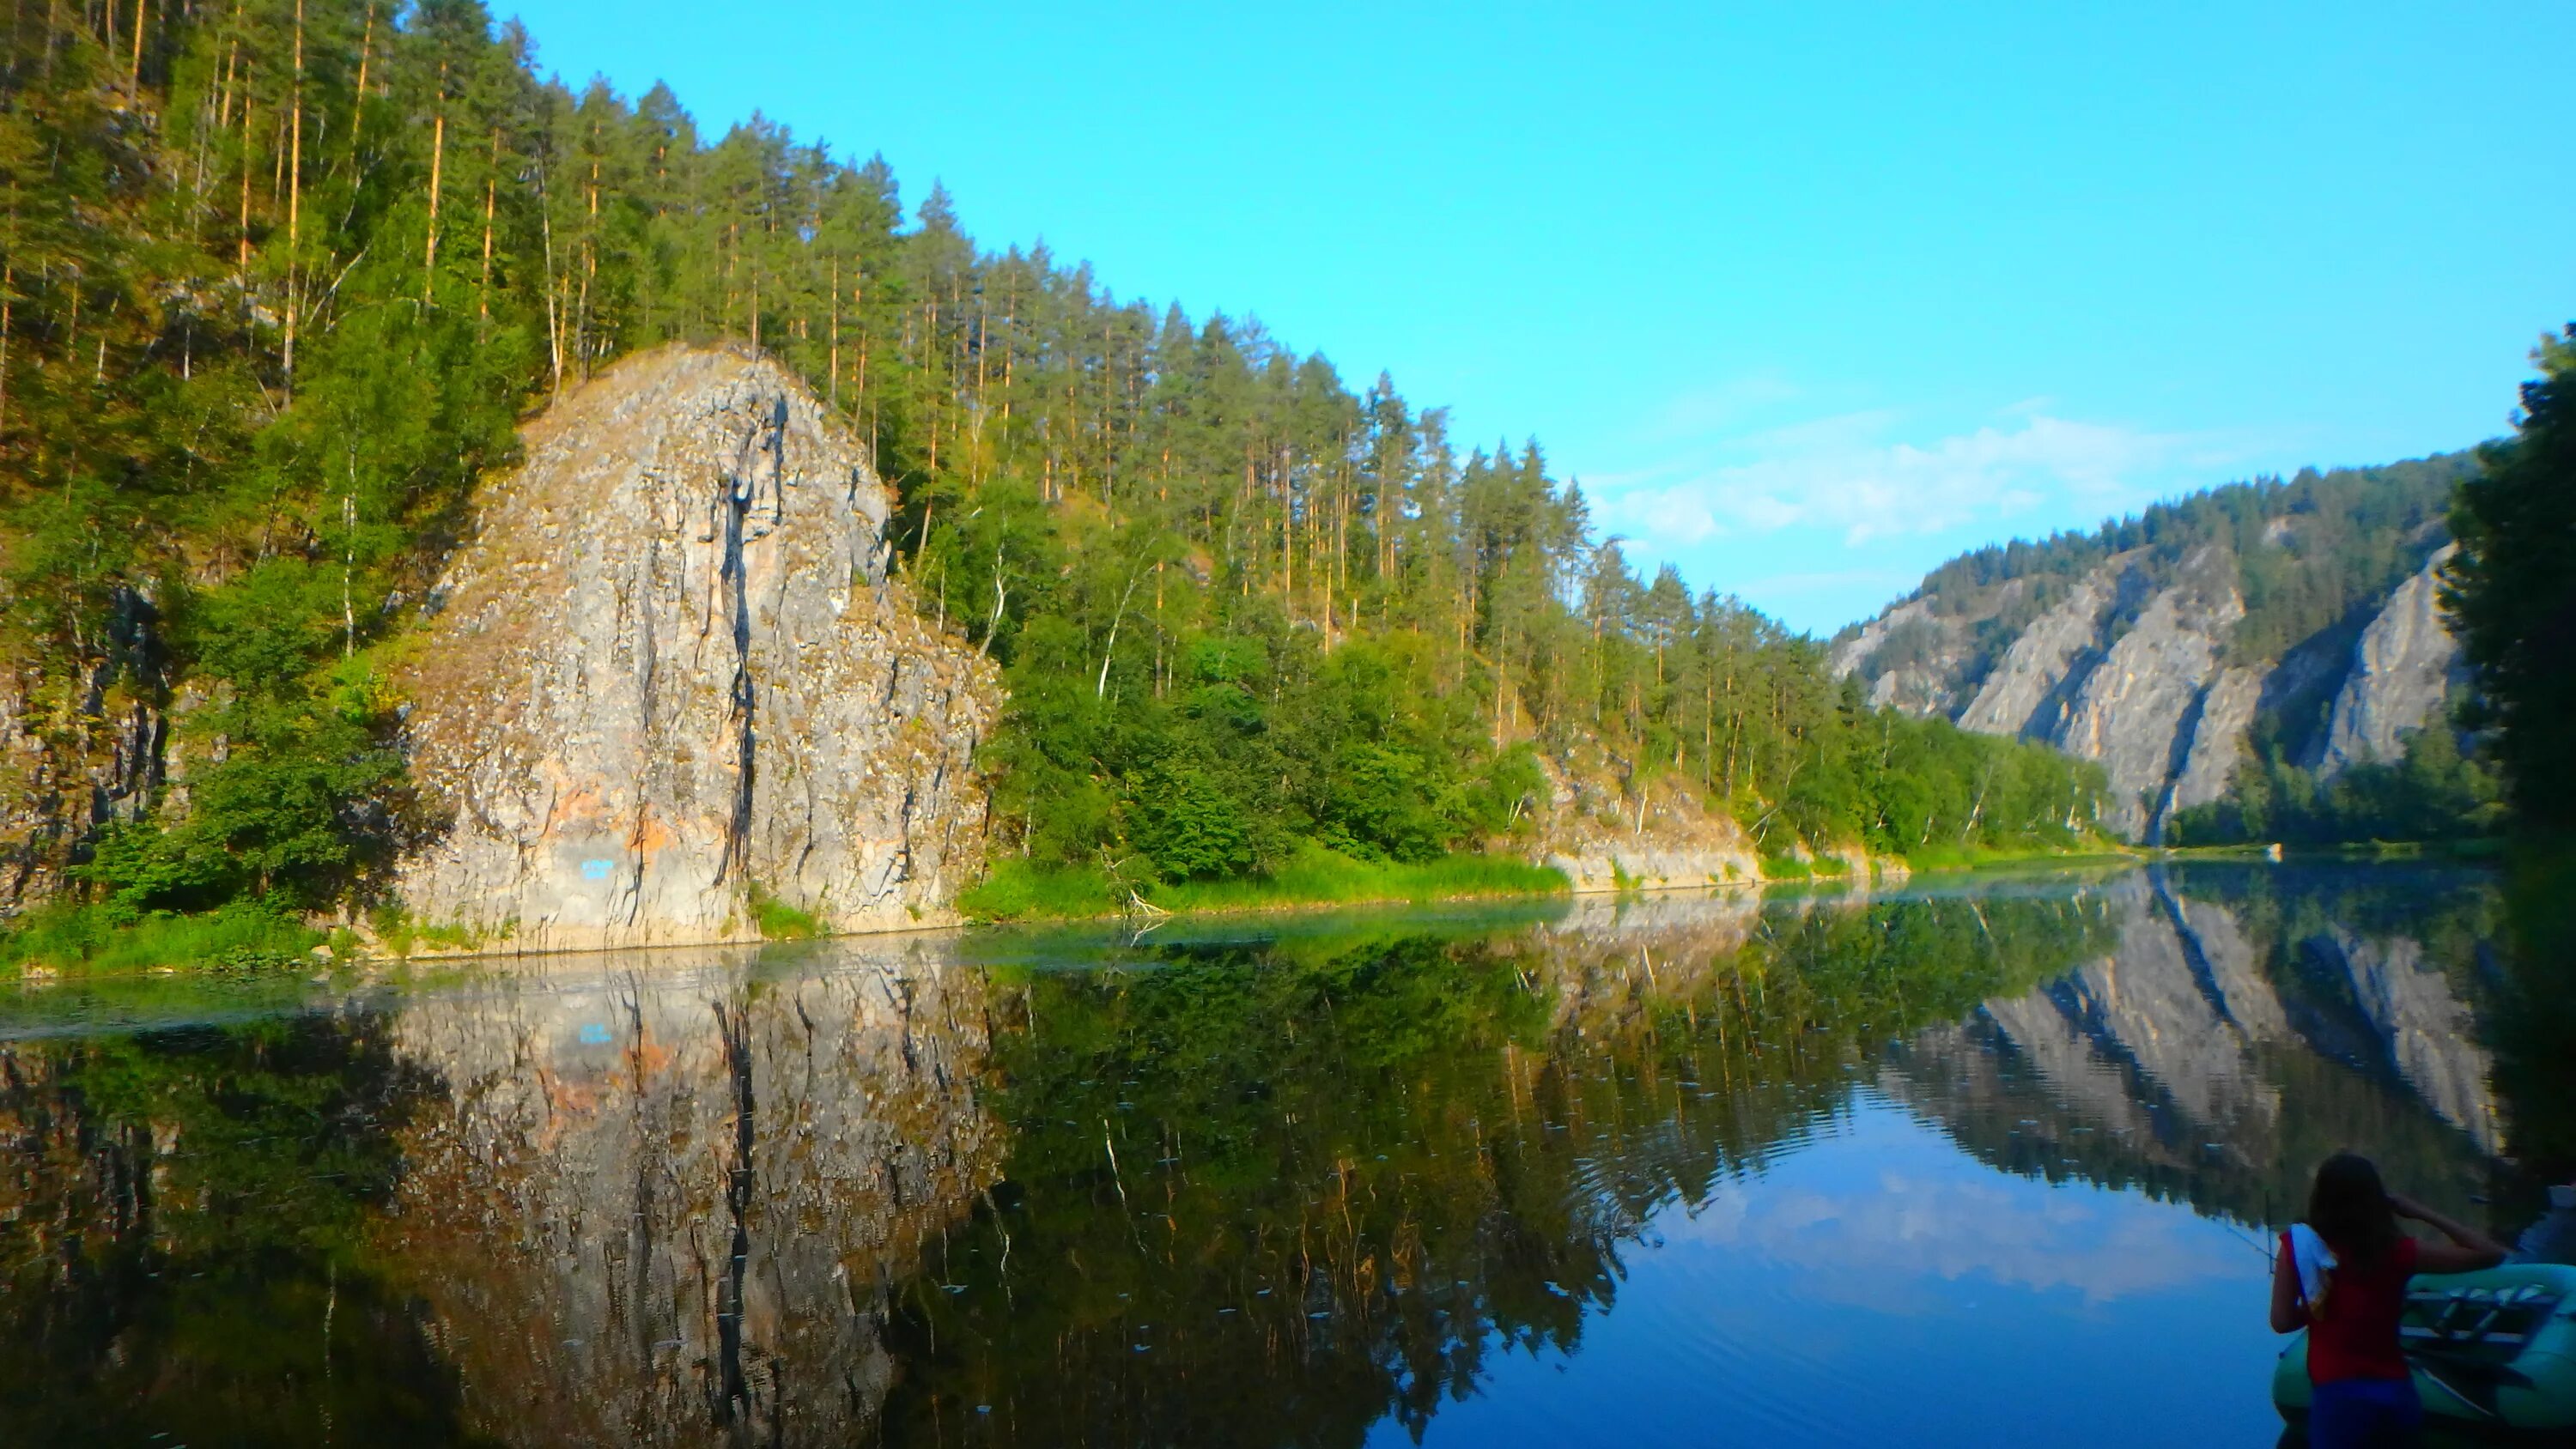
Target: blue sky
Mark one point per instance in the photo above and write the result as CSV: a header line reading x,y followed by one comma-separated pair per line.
x,y
1809,297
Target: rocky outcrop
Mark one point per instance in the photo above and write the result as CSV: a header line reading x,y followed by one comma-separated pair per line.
x,y
662,1202
2217,731
1910,655
2403,670
83,742
2138,665
1610,835
1605,837
670,674
2132,709
2035,671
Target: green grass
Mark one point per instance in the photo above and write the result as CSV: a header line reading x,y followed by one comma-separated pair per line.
x,y
779,921
241,936
1983,857
1018,891
1786,867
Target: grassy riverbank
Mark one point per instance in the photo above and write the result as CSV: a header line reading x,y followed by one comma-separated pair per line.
x,y
61,936
1942,859
1017,891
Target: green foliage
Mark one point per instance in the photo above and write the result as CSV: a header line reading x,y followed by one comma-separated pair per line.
x,y
2434,793
239,935
1243,609
779,921
2513,591
1019,890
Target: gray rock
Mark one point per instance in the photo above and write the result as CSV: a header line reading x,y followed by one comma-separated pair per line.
x,y
2218,729
1910,655
2402,671
2130,713
670,670
2044,656
83,742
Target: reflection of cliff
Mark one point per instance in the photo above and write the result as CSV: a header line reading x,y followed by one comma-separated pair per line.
x,y
2154,1008
1606,960
2427,1031
651,1207
2168,1061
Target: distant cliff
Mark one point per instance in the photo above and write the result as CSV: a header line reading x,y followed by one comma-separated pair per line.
x,y
2292,619
669,679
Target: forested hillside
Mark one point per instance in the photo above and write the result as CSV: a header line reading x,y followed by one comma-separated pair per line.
x,y
283,277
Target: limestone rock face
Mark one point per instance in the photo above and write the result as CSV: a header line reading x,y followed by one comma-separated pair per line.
x,y
79,749
2042,659
2402,671
2217,735
1912,655
669,671
2131,711
2136,665
1605,837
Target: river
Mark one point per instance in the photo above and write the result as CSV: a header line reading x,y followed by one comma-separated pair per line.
x,y
1983,1159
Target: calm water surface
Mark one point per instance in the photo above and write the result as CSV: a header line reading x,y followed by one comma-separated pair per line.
x,y
1963,1164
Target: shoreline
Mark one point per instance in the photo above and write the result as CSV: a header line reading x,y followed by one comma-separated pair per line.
x,y
36,974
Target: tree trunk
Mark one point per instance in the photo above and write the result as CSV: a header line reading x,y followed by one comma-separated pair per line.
x,y
491,185
437,167
241,258
294,194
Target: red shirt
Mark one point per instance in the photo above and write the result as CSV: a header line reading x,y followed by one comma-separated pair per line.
x,y
2352,1333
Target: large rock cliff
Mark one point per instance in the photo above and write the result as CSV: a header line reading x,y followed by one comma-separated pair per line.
x,y
2140,661
2403,669
670,676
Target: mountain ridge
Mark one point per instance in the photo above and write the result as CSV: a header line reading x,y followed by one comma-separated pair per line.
x,y
2291,622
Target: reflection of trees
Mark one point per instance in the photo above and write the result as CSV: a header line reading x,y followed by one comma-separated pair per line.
x,y
2536,1024
1275,1188
1282,1193
180,1224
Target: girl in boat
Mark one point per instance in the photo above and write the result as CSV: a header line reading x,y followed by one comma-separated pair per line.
x,y
2341,1274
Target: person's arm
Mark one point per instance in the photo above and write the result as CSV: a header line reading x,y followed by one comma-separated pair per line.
x,y
2289,1313
2468,1250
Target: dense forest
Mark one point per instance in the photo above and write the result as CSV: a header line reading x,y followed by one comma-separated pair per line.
x,y
2513,592
282,277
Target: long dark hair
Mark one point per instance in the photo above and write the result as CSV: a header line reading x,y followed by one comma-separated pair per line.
x,y
2349,1209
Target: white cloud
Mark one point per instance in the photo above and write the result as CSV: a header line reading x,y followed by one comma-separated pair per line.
x,y
1852,474
1864,1245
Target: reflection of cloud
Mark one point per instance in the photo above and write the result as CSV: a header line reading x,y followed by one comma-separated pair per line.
x,y
1845,472
1867,1245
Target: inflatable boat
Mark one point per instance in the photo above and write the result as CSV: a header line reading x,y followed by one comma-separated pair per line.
x,y
2493,1351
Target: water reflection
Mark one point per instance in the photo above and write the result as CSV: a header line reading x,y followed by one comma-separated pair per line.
x,y
1431,1173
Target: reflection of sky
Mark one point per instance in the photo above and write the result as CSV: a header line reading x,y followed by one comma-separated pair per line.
x,y
1881,1287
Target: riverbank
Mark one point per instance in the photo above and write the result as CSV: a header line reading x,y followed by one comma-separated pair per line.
x,y
1016,891
63,939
